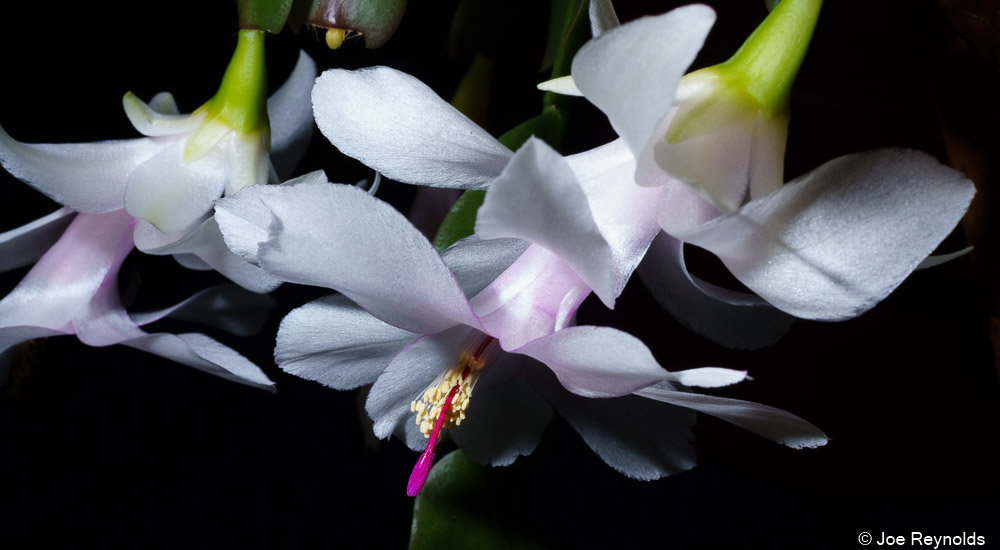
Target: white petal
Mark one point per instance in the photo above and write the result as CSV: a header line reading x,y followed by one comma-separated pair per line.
x,y
395,124
408,375
476,263
733,319
537,198
504,422
625,213
172,194
563,85
938,259
631,72
247,161
67,277
226,306
708,377
151,121
602,17
835,242
639,438
536,296
205,354
597,361
24,245
337,344
290,113
89,177
207,244
339,237
767,154
774,424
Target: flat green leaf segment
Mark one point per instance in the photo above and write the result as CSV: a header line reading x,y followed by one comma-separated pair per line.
x,y
569,24
263,15
462,505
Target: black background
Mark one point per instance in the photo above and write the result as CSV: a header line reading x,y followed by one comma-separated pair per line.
x,y
120,448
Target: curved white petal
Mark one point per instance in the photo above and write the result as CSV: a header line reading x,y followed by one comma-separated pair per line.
x,y
336,343
156,119
537,198
835,242
536,296
504,422
625,213
408,375
206,242
89,177
24,245
639,438
733,319
602,17
597,361
67,277
290,113
172,194
476,263
395,124
774,424
226,306
631,72
205,354
339,237
563,85
708,377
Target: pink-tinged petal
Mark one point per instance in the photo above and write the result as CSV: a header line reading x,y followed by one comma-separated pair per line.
x,y
395,124
226,306
536,296
504,421
477,263
733,319
159,117
339,237
639,438
597,361
205,354
172,194
407,376
70,274
207,244
291,117
89,177
631,72
625,212
537,198
24,245
774,424
337,344
602,17
835,242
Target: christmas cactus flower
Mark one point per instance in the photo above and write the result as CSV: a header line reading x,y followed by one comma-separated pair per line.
x,y
73,289
170,179
828,245
478,341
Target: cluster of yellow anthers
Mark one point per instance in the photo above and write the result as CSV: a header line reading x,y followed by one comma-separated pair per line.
x,y
463,376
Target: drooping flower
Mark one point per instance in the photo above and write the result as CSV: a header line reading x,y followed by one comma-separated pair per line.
x,y
73,289
170,179
828,245
480,340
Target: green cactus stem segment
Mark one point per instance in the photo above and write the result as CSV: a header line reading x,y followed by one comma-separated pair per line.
x,y
240,105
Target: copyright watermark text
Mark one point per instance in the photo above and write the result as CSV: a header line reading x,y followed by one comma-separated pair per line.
x,y
916,538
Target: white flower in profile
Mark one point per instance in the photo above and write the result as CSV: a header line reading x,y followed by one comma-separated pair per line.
x,y
170,179
829,245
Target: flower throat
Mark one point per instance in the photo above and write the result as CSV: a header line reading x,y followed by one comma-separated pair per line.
x,y
444,402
